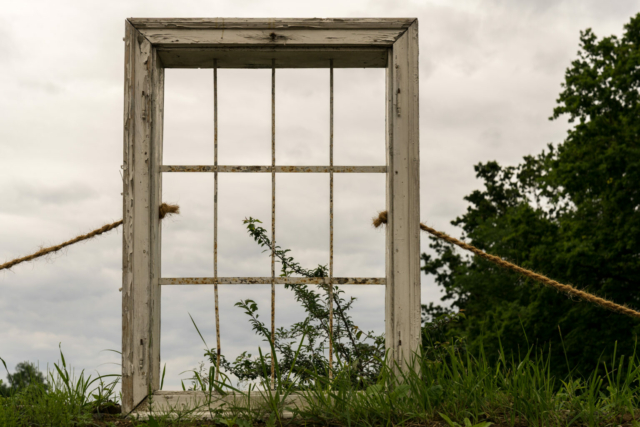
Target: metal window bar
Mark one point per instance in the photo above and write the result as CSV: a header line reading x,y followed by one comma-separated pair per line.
x,y
273,220
215,213
272,169
267,280
331,219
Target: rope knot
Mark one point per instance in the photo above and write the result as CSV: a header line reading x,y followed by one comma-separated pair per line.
x,y
166,209
381,219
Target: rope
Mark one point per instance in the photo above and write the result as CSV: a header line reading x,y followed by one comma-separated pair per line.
x,y
567,289
165,210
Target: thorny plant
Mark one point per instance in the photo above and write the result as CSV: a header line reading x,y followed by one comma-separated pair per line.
x,y
361,351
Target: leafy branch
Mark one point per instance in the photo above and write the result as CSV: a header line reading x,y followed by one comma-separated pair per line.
x,y
362,351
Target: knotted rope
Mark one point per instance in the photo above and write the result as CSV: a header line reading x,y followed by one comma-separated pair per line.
x,y
567,289
165,210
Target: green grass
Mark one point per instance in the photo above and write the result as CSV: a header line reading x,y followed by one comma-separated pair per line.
x,y
460,387
453,389
63,400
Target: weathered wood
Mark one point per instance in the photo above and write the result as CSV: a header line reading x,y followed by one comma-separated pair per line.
x,y
278,169
127,228
414,290
140,298
267,280
403,200
285,56
154,44
272,23
163,402
157,108
215,37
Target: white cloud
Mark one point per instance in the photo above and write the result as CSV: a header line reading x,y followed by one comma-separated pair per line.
x,y
490,73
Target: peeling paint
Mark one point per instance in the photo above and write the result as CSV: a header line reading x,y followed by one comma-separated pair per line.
x,y
165,281
272,169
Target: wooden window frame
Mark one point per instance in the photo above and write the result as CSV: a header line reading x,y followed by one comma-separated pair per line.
x,y
151,45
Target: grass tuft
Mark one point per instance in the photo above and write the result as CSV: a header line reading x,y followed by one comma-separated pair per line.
x,y
448,388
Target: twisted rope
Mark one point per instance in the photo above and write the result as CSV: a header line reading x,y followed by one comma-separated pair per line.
x,y
567,289
165,210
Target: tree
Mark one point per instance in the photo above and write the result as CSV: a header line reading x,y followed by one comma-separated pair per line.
x,y
572,213
26,374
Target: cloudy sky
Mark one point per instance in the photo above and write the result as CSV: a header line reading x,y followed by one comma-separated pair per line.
x,y
490,73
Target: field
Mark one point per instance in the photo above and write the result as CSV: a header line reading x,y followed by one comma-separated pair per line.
x,y
450,388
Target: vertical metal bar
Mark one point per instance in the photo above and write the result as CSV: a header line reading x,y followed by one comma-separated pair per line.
x,y
331,220
215,212
273,218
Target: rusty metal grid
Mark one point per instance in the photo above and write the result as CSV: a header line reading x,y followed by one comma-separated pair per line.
x,y
276,280
273,220
273,169
270,169
215,213
331,219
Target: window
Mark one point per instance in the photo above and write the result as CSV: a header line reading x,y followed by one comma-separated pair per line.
x,y
151,45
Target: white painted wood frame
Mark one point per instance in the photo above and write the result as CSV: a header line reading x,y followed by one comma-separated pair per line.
x,y
151,45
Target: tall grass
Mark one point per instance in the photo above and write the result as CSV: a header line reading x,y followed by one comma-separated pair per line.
x,y
63,400
455,387
450,387
461,386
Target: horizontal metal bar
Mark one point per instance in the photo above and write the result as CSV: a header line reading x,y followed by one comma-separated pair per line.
x,y
278,169
267,280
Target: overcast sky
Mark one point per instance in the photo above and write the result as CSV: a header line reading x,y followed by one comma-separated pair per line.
x,y
490,72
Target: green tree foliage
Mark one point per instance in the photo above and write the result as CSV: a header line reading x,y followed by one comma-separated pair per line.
x,y
571,212
26,374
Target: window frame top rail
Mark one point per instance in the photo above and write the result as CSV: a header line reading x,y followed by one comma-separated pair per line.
x,y
271,23
293,43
